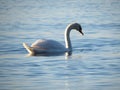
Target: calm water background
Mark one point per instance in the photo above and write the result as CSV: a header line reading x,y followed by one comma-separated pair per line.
x,y
95,62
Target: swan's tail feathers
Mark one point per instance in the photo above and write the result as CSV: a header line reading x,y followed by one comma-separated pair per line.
x,y
28,48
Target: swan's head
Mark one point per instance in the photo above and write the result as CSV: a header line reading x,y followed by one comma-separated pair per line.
x,y
77,27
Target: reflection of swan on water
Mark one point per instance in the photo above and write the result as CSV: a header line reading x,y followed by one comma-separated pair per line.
x,y
51,47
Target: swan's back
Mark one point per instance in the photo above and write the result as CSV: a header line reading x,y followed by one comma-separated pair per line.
x,y
48,45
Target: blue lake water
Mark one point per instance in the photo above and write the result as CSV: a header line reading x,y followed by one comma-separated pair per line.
x,y
95,61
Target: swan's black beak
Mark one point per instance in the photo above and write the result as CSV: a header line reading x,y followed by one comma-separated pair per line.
x,y
81,32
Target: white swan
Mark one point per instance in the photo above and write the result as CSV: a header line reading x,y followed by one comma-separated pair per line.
x,y
51,47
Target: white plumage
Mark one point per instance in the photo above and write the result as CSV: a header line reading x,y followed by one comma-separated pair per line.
x,y
52,47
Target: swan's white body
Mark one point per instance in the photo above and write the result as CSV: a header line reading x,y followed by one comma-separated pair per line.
x,y
50,47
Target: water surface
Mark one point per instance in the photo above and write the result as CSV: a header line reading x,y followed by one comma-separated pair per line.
x,y
95,62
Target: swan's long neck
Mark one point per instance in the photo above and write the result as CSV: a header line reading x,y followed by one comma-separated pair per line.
x,y
67,38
